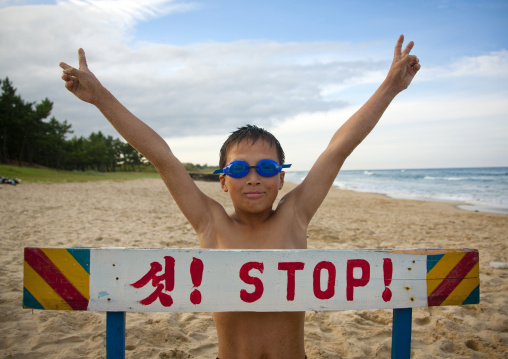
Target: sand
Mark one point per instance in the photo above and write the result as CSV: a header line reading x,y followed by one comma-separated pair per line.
x,y
142,214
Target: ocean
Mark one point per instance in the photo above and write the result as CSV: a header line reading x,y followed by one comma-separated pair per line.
x,y
480,189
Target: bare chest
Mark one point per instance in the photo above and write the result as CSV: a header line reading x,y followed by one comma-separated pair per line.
x,y
268,236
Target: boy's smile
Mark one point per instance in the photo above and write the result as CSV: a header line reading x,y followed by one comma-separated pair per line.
x,y
254,195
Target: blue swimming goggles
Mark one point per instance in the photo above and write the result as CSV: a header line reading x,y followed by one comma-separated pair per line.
x,y
238,169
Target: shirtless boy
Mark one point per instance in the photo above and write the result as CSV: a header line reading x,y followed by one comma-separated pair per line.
x,y
254,223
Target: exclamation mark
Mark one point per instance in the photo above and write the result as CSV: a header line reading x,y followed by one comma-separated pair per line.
x,y
388,272
196,271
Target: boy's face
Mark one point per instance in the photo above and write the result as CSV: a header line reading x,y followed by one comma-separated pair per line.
x,y
252,193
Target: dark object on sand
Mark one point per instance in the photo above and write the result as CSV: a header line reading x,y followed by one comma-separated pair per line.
x,y
7,180
204,177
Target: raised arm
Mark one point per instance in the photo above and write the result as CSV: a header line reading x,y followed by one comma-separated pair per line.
x,y
193,203
83,83
316,185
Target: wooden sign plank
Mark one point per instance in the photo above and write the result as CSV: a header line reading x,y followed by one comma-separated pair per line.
x,y
200,280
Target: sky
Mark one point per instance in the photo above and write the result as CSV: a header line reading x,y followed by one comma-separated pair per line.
x,y
196,70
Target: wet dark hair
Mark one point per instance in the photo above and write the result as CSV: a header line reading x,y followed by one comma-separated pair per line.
x,y
250,133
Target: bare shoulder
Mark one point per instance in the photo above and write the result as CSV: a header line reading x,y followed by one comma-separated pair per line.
x,y
295,202
289,223
307,197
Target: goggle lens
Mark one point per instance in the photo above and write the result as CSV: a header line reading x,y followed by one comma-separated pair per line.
x,y
238,169
267,169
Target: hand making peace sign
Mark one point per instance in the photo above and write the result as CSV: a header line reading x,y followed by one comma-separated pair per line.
x,y
404,66
82,82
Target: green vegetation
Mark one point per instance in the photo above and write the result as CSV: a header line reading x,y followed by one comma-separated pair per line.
x,y
27,174
26,136
197,168
31,175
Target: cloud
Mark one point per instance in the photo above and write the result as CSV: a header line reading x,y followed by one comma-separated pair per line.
x,y
302,91
125,13
202,149
430,134
428,130
492,64
179,90
227,84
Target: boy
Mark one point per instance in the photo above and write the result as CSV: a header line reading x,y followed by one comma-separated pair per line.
x,y
253,186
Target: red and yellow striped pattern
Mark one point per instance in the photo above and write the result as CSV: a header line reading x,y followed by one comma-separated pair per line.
x,y
54,280
453,278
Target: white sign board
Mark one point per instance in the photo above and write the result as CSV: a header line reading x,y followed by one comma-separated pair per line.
x,y
197,280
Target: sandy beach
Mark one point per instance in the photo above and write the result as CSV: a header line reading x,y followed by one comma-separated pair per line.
x,y
142,214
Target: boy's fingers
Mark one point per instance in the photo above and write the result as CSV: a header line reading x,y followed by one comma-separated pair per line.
x,y
64,66
410,60
71,71
82,59
398,46
408,48
69,85
68,71
414,59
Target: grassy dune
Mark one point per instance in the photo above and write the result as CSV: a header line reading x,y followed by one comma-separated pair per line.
x,y
31,174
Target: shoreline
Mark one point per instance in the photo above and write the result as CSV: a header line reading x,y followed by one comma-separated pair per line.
x,y
470,207
459,205
483,209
